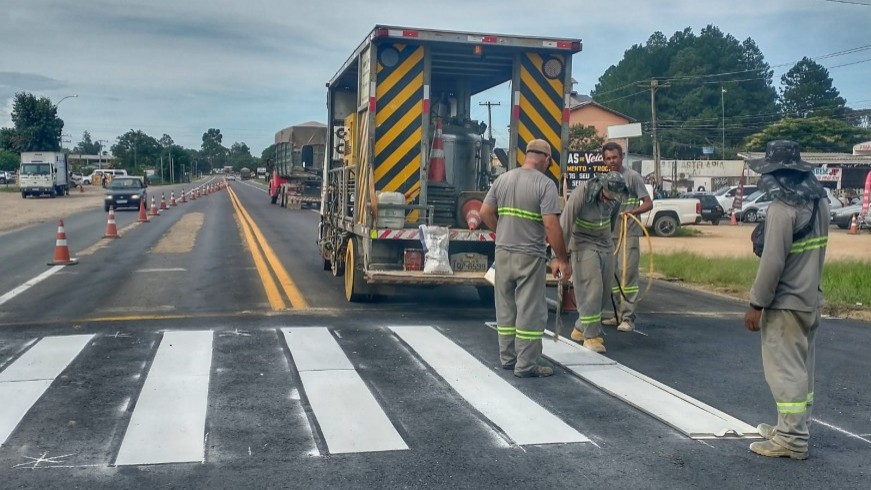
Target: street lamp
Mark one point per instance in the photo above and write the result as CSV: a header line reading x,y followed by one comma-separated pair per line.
x,y
723,105
60,142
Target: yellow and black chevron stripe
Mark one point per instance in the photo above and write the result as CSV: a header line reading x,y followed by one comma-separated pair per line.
x,y
398,123
542,101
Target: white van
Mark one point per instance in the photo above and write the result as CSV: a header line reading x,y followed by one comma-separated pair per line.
x,y
96,175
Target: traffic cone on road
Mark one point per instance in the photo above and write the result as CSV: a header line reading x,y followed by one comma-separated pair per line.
x,y
143,218
436,171
183,198
111,227
172,199
733,221
854,226
163,202
194,194
153,207
61,250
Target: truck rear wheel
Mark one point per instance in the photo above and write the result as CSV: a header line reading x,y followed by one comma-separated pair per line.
x,y
665,225
356,289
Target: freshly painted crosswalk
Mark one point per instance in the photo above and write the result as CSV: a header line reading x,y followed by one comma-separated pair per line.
x,y
167,416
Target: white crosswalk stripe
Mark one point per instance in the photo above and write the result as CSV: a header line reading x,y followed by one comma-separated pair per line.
x,y
25,380
169,420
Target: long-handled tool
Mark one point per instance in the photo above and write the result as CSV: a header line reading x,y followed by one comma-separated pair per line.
x,y
559,310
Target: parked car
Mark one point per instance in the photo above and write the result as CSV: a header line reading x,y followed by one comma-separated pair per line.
x,y
834,205
711,209
96,175
749,212
834,202
7,177
726,195
843,216
77,178
125,192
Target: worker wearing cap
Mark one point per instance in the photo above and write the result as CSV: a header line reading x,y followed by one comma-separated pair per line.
x,y
587,221
636,202
786,296
522,207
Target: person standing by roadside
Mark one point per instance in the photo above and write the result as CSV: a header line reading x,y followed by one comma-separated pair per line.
x,y
587,221
786,297
522,207
636,202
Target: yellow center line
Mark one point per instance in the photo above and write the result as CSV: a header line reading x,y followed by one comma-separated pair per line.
x,y
293,293
272,293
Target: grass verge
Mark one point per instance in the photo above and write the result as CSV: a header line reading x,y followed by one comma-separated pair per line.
x,y
846,284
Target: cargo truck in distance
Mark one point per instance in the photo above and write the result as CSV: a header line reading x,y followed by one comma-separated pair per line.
x,y
297,165
43,173
404,151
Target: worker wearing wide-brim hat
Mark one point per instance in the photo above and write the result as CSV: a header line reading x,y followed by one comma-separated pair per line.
x,y
786,297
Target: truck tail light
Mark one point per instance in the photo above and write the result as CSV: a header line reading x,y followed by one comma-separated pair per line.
x,y
698,207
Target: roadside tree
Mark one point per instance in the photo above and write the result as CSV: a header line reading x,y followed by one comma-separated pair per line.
x,y
584,138
812,134
806,90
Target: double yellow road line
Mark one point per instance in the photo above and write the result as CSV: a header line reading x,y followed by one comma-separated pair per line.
x,y
267,263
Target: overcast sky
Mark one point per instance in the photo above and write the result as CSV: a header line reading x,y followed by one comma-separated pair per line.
x,y
253,67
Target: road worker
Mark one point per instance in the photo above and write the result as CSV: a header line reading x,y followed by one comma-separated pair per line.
x,y
522,207
587,221
786,297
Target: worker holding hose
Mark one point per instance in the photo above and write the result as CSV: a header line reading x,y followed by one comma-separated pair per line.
x,y
636,202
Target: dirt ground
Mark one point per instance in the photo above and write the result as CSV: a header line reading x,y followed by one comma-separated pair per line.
x,y
16,212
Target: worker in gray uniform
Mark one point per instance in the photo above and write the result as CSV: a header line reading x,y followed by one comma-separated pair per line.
x,y
786,297
636,202
588,221
522,207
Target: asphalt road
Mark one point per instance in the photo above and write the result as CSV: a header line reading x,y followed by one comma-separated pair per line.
x,y
191,338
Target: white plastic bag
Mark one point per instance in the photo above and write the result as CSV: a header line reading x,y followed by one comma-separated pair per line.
x,y
436,239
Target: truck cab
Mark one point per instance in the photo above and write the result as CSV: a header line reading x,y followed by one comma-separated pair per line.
x,y
43,173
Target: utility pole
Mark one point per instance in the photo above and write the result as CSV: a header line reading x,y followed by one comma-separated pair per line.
x,y
723,104
489,116
654,85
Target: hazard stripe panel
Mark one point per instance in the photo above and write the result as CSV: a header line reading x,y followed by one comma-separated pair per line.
x,y
399,121
169,419
541,105
27,379
350,418
520,418
455,235
692,417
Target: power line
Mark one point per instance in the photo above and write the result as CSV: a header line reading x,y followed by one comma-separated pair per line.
x,y
849,2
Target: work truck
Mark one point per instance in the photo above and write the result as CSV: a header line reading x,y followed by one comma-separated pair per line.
x,y
43,173
297,164
404,151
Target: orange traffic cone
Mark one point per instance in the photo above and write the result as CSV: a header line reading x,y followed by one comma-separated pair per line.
x,y
172,199
436,171
143,218
111,227
472,213
153,207
194,194
854,226
733,221
61,250
183,198
163,202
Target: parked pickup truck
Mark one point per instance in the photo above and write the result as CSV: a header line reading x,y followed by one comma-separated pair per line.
x,y
668,215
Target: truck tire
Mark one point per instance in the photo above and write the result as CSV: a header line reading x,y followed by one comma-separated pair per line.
x,y
53,193
715,222
23,195
356,289
665,225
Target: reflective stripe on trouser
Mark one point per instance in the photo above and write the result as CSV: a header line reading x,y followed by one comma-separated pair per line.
x,y
591,278
521,304
788,357
626,309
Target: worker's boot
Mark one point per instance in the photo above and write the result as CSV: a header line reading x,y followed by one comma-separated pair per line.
x,y
536,372
774,450
595,344
766,431
610,322
577,335
625,326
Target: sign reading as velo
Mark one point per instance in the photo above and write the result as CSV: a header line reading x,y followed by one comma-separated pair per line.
x,y
583,165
